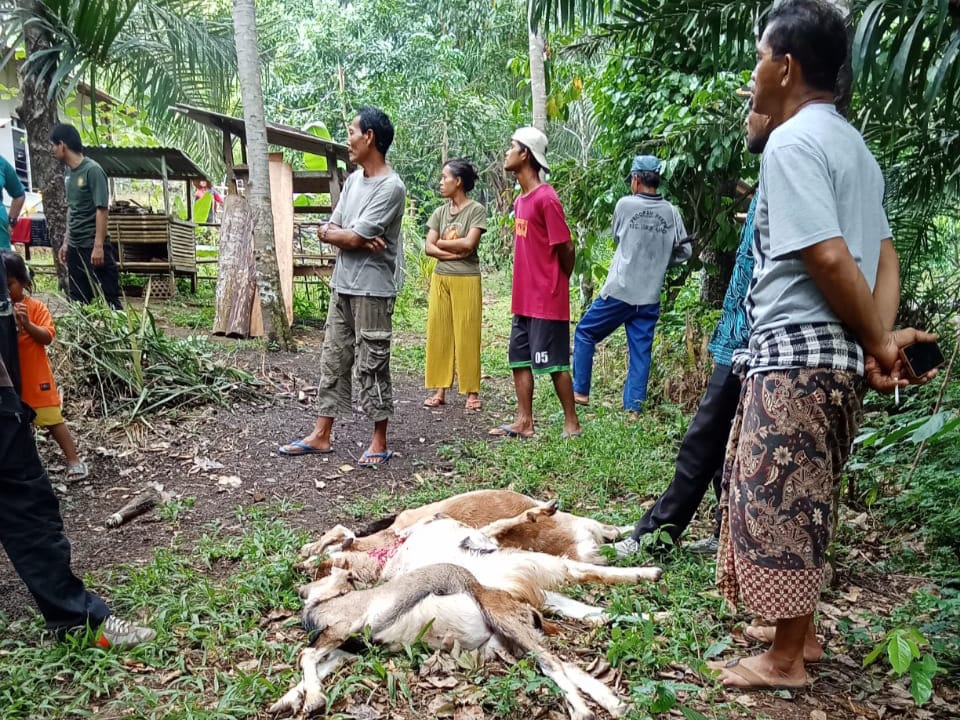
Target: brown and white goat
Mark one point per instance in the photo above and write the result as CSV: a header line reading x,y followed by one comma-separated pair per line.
x,y
527,576
563,534
440,605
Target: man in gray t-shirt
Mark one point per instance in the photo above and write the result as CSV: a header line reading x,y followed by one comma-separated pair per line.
x,y
648,232
823,300
818,181
365,227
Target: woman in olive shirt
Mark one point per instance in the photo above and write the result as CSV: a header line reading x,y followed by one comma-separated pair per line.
x,y
453,316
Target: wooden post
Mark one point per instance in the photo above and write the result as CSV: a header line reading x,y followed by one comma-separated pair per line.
x,y
228,162
236,271
166,190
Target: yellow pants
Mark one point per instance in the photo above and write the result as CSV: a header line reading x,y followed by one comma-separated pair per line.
x,y
453,332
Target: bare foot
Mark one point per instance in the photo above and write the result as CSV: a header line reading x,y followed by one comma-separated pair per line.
x,y
436,400
308,446
761,672
581,399
513,430
764,634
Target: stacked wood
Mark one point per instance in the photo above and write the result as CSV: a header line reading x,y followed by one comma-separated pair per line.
x,y
153,243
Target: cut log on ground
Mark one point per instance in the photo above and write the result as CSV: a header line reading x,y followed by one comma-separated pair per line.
x,y
143,502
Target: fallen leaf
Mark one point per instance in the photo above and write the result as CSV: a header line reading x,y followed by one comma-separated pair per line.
x,y
169,677
442,683
232,481
440,707
248,665
853,594
818,715
746,700
319,484
345,468
205,463
470,712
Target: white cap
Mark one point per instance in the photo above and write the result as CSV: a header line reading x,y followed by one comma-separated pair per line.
x,y
536,141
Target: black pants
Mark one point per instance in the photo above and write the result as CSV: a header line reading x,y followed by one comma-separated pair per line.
x,y
699,460
31,528
83,275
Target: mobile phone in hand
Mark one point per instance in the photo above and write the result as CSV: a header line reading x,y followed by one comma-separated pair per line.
x,y
920,358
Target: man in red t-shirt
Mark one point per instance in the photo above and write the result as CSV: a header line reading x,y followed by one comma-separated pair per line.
x,y
543,258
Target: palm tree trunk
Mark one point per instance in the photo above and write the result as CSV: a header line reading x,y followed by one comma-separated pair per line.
x,y
38,112
257,190
538,82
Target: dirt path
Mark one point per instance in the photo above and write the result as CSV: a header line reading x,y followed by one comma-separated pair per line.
x,y
205,454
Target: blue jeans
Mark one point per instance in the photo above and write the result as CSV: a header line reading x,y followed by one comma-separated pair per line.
x,y
603,317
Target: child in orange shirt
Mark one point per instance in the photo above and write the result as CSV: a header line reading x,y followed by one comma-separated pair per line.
x,y
39,391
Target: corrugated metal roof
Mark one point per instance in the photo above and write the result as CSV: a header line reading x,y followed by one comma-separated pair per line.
x,y
144,162
280,135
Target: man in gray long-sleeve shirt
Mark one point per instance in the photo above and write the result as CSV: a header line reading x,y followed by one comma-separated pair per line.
x,y
648,232
365,226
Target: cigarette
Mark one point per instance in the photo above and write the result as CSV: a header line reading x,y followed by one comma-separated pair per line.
x,y
896,395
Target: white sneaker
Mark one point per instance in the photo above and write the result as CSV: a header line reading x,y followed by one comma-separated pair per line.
x,y
117,633
626,547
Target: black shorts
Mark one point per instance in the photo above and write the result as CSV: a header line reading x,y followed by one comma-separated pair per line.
x,y
542,345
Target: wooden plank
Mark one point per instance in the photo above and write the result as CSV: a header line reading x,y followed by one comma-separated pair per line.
x,y
312,270
312,181
281,191
153,265
313,209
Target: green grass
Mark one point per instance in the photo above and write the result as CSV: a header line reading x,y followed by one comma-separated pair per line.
x,y
213,659
206,603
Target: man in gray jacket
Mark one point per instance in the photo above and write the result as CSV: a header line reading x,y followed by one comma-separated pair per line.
x,y
649,232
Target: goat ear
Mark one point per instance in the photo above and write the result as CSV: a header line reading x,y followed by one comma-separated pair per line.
x,y
340,562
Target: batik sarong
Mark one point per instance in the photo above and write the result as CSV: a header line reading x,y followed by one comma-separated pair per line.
x,y
791,436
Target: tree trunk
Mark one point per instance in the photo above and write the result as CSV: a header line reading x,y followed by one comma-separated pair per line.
x,y
236,270
257,190
538,82
38,113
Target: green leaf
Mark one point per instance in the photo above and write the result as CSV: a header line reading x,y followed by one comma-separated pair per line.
x,y
875,653
691,714
715,649
900,651
201,208
316,163
921,682
664,699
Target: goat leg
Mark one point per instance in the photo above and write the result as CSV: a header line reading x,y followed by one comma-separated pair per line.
x,y
505,525
338,534
552,667
596,689
313,698
567,607
290,703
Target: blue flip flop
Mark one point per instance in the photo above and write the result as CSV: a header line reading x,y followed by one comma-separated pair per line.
x,y
365,459
303,449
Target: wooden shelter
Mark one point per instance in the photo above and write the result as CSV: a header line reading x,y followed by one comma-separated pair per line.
x,y
290,220
148,242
